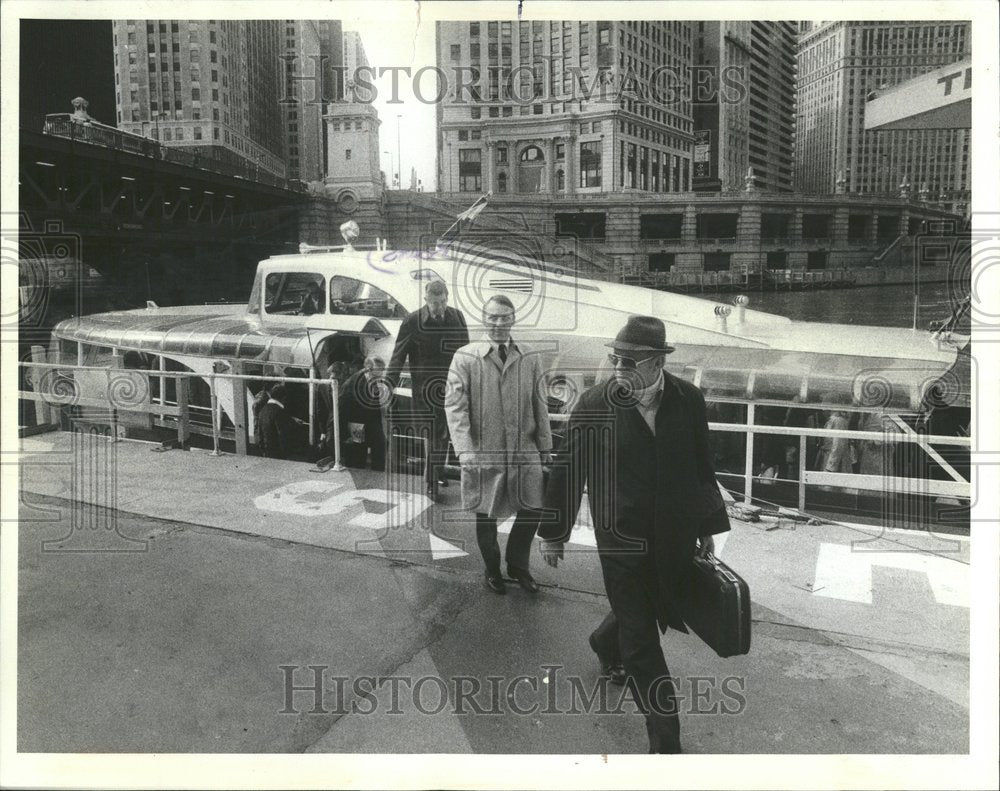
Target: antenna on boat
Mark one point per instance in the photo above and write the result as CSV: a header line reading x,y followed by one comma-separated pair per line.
x,y
468,215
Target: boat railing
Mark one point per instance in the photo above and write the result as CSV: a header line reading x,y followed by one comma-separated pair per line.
x,y
53,395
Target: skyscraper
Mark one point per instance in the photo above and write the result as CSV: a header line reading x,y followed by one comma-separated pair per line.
x,y
840,64
746,117
211,86
564,107
308,85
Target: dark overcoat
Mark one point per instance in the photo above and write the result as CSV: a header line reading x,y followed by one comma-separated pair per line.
x,y
279,436
428,346
649,495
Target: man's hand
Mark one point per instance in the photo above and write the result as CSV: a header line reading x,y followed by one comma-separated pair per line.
x,y
546,457
552,552
706,545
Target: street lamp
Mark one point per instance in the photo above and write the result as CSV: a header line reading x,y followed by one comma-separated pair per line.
x,y
392,172
399,156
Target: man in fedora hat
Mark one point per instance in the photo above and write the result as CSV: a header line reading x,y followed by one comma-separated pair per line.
x,y
639,442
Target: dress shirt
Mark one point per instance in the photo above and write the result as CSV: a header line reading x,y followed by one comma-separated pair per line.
x,y
649,402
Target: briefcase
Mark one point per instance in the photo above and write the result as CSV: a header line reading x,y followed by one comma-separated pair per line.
x,y
716,606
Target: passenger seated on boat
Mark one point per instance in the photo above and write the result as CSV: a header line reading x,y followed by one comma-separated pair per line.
x,y
312,301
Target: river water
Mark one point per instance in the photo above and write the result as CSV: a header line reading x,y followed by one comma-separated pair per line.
x,y
882,306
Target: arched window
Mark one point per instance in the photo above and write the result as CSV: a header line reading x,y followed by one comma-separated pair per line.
x,y
502,182
532,154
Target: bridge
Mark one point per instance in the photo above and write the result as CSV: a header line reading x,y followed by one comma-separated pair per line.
x,y
157,222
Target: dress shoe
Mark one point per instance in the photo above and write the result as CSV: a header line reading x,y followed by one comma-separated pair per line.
x,y
614,671
443,482
524,579
495,583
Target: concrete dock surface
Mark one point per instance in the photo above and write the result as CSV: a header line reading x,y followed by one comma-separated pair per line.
x,y
181,602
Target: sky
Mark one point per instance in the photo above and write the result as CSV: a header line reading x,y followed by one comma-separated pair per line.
x,y
405,43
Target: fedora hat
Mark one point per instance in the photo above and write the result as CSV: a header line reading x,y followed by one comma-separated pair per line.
x,y
642,334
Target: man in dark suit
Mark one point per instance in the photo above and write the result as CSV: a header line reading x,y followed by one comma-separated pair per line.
x,y
361,399
640,444
429,338
280,434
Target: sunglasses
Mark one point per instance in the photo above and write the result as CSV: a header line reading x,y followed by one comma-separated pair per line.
x,y
628,362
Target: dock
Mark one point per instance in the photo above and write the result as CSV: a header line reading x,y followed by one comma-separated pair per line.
x,y
183,601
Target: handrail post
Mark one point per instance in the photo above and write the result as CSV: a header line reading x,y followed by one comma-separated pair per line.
x,y
240,421
312,405
215,416
183,412
335,418
802,472
748,460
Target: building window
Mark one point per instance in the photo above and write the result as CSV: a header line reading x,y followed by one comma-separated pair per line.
x,y
661,262
475,134
196,94
502,182
456,51
474,29
197,133
347,153
583,225
716,262
717,226
463,135
470,174
560,151
494,112
590,164
560,180
660,226
501,155
476,112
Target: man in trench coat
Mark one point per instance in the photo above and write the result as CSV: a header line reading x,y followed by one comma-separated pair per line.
x,y
640,445
499,425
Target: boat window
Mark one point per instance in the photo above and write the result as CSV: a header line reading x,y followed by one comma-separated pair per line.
x,y
253,304
294,293
357,298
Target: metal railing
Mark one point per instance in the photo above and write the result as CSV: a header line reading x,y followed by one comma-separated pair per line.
x,y
98,134
53,387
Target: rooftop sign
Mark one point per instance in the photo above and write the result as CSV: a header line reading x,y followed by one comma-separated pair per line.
x,y
940,99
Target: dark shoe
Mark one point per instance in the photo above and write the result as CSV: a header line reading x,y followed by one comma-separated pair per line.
x,y
495,583
614,671
524,579
443,482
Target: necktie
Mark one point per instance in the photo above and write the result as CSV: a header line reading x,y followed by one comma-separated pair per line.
x,y
502,349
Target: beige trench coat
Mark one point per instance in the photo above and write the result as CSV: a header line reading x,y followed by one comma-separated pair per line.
x,y
499,425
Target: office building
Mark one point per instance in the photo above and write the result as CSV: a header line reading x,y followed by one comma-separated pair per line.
x,y
211,86
308,86
564,108
840,65
744,109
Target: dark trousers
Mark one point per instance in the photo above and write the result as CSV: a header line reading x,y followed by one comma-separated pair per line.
x,y
518,543
629,634
437,446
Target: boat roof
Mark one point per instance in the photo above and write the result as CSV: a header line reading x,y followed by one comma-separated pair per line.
x,y
212,331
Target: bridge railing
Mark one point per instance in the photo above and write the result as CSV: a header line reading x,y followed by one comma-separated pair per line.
x,y
98,134
114,394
